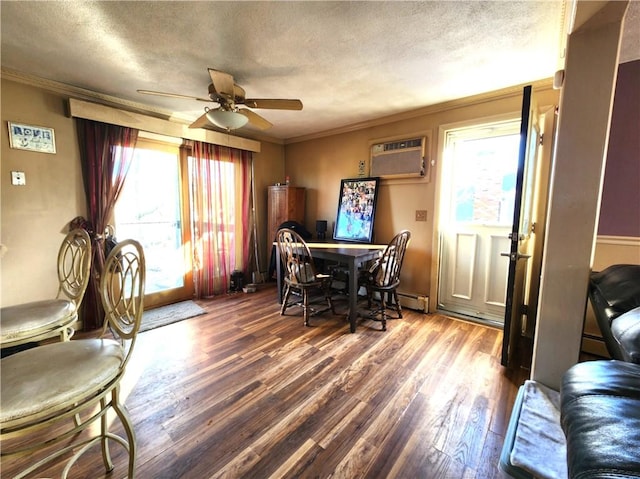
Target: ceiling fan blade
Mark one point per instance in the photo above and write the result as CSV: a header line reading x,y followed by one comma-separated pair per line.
x,y
273,104
172,95
255,119
239,93
222,83
201,122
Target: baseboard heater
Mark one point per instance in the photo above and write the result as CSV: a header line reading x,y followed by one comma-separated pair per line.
x,y
414,301
407,300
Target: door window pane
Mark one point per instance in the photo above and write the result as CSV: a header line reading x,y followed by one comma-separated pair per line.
x,y
148,210
484,173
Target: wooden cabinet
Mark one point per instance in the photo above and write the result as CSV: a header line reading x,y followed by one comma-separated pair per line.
x,y
286,203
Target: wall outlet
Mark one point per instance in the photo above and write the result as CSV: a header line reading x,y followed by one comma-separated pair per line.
x,y
18,178
421,215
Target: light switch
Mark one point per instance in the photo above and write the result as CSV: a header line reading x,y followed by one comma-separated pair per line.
x,y
18,178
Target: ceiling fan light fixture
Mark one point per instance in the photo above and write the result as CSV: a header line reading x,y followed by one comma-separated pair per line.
x,y
228,120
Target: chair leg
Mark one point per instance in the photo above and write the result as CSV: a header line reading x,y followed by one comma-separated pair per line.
x,y
397,301
383,311
327,296
305,306
104,425
285,300
128,428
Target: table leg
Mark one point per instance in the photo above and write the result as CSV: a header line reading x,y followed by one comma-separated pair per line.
x,y
353,294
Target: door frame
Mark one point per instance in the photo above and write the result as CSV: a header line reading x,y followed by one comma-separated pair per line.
x,y
549,124
438,201
163,143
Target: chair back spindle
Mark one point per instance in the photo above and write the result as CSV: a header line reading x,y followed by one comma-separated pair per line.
x,y
386,270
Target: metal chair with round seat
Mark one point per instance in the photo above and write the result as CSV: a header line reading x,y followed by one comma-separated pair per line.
x,y
38,320
52,394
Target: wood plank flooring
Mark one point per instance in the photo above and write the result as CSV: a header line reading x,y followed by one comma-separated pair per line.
x,y
242,392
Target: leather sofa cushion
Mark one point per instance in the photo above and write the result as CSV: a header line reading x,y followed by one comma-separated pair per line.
x,y
600,416
626,331
619,286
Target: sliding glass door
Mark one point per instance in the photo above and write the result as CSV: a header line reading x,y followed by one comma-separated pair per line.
x,y
151,208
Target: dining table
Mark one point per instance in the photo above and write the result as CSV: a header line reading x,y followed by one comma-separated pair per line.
x,y
353,255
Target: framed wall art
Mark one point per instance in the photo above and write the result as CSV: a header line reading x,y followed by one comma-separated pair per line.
x,y
356,210
33,138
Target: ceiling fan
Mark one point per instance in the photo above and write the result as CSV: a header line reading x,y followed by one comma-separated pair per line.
x,y
224,91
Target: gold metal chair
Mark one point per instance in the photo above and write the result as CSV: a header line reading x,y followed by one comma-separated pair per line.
x,y
383,276
45,389
37,320
300,273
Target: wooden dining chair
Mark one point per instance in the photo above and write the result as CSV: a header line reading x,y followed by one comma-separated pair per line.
x,y
37,320
383,277
300,274
52,393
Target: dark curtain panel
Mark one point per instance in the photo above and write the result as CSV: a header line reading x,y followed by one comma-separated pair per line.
x,y
106,151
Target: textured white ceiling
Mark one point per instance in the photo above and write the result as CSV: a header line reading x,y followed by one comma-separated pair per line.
x,y
348,61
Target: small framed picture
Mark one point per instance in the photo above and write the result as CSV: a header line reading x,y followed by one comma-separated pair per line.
x,y
33,138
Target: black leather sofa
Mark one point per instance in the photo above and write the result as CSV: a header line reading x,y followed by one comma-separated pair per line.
x,y
600,417
615,296
600,400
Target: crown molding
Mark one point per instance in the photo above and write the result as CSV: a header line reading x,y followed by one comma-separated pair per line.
x,y
84,94
539,85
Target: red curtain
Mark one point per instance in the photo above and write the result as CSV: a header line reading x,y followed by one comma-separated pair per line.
x,y
106,151
221,209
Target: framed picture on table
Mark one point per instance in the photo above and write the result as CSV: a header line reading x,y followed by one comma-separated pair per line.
x,y
356,210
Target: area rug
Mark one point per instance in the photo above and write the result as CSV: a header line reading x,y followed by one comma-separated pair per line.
x,y
172,313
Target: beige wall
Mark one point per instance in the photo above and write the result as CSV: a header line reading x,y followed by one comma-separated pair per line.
x,y
35,217
319,164
268,169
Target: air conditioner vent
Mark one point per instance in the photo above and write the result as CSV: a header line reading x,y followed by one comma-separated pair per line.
x,y
403,145
399,159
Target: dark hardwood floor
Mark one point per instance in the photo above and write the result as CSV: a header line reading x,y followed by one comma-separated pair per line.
x,y
242,392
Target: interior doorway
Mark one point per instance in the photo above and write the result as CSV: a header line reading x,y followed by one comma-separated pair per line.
x,y
478,191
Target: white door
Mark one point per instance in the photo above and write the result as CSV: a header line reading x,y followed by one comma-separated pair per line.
x,y
479,179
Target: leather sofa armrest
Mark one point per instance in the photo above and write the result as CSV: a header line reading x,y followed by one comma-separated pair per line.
x,y
600,416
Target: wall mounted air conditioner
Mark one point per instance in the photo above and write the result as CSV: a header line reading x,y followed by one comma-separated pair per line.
x,y
399,159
